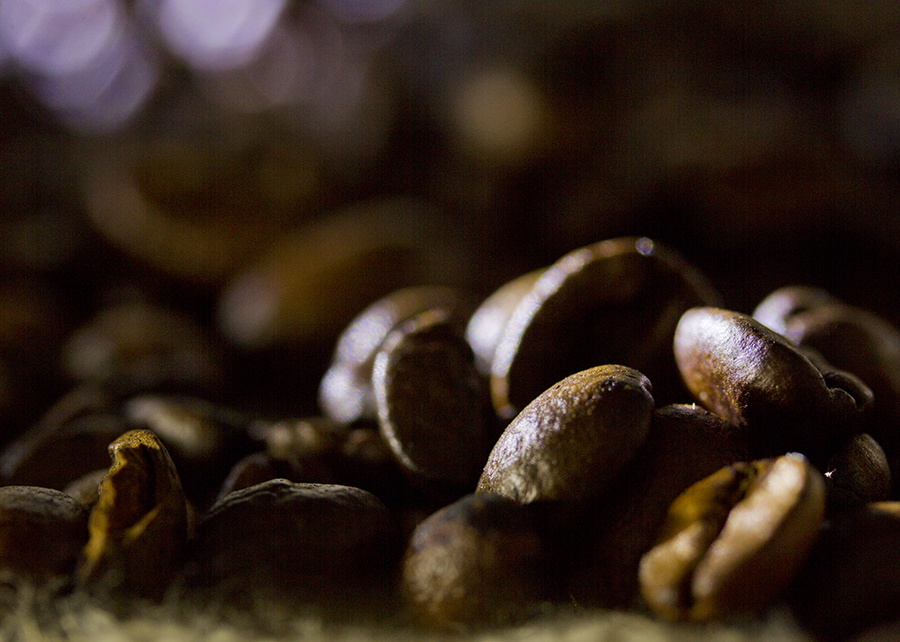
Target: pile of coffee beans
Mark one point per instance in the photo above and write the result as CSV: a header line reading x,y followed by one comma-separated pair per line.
x,y
600,432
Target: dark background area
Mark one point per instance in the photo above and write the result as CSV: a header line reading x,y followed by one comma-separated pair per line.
x,y
762,142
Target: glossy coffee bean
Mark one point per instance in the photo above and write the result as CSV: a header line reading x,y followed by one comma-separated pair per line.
x,y
345,393
851,582
617,301
685,443
573,440
858,473
733,541
138,526
319,543
867,345
753,377
479,561
42,532
433,406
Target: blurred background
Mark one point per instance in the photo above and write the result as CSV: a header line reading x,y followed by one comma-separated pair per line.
x,y
211,189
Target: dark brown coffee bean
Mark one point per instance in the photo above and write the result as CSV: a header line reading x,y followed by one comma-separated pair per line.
x,y
478,561
433,406
86,488
345,393
42,532
488,322
867,345
573,440
733,541
858,473
685,444
52,456
851,582
138,527
617,301
316,543
753,377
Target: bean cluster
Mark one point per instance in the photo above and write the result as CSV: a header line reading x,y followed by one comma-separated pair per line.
x,y
599,432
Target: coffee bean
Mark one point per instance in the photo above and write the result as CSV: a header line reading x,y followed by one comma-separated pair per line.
x,y
322,544
433,407
851,582
753,377
617,301
733,541
138,527
778,308
476,562
345,393
42,532
573,440
685,443
858,473
86,489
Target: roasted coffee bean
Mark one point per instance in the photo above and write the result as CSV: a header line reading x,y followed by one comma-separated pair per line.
x,y
478,561
573,440
301,440
867,345
754,377
204,439
851,581
733,541
257,468
685,444
42,532
434,408
778,308
138,346
488,322
345,393
617,301
333,546
858,473
138,527
86,488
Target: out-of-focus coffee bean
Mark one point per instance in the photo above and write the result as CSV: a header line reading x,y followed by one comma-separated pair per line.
x,y
754,377
486,325
347,259
204,439
479,561
858,473
328,545
779,307
345,393
53,456
138,346
42,532
86,488
617,301
434,407
851,582
867,345
732,542
200,201
685,444
366,461
138,527
257,468
573,440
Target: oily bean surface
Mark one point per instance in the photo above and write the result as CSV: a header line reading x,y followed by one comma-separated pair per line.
x,y
859,473
753,377
617,301
573,440
733,541
433,406
685,444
